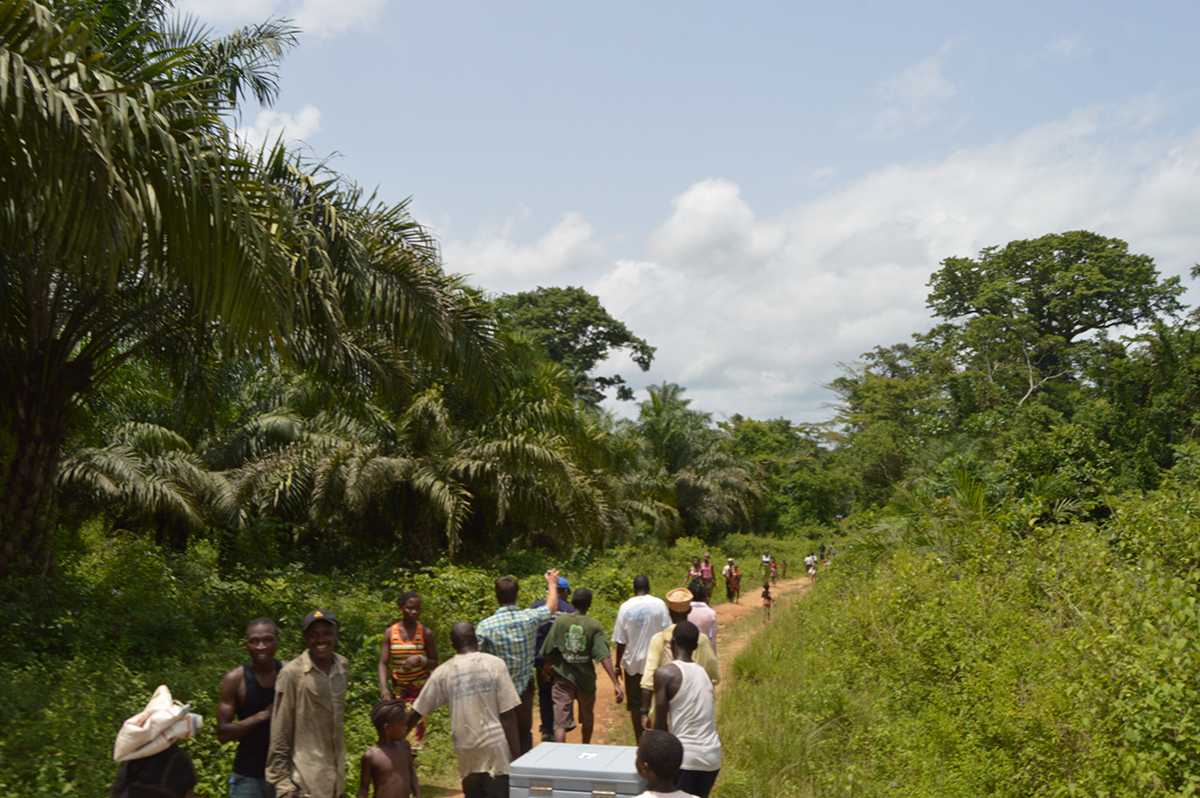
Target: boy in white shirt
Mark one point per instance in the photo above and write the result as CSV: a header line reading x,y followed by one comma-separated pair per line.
x,y
659,757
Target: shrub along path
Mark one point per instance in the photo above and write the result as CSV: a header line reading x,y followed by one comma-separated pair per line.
x,y
736,625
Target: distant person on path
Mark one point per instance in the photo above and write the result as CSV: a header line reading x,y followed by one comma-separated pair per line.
x,y
737,583
307,755
727,575
679,605
766,598
821,552
694,576
704,617
810,564
659,757
544,681
639,619
483,713
389,766
574,643
244,703
407,657
510,634
706,574
686,704
767,559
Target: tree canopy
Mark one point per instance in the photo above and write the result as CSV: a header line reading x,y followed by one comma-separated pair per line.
x,y
576,331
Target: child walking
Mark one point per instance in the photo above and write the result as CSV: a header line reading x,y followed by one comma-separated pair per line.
x,y
388,765
766,598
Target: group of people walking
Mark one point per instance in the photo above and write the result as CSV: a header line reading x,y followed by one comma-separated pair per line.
x,y
287,719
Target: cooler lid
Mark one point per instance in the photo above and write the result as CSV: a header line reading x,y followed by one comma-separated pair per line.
x,y
577,766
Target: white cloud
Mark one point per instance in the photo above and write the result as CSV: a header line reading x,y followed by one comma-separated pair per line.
x,y
1067,46
753,313
913,98
270,124
319,17
499,263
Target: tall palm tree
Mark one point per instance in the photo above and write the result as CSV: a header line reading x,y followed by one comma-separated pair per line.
x,y
133,224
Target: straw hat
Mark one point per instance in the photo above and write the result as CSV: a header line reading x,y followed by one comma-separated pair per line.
x,y
679,599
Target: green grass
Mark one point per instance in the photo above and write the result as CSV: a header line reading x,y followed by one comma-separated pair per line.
x,y
947,658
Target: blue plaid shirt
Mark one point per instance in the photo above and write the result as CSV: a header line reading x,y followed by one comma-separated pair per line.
x,y
510,634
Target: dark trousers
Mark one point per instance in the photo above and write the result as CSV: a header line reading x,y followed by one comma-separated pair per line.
x,y
485,785
697,782
545,706
525,719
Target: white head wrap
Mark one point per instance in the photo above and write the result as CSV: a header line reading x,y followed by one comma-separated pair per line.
x,y
163,722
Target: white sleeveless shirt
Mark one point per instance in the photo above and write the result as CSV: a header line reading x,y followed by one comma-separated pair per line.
x,y
692,718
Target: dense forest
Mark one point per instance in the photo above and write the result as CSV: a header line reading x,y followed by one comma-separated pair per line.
x,y
236,383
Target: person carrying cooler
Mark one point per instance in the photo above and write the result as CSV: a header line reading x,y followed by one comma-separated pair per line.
x,y
483,713
574,642
407,657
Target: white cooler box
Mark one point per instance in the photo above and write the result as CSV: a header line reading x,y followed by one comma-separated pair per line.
x,y
572,770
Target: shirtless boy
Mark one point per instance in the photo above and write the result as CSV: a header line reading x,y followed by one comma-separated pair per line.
x,y
388,766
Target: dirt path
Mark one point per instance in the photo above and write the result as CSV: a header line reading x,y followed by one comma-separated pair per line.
x,y
736,625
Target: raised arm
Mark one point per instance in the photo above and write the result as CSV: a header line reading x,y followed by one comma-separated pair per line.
x,y
552,590
229,728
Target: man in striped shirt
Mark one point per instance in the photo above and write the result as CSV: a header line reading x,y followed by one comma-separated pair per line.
x,y
511,634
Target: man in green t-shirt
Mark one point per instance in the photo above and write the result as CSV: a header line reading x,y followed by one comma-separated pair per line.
x,y
573,644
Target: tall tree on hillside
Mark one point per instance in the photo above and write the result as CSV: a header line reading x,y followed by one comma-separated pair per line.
x,y
1027,302
576,331
133,225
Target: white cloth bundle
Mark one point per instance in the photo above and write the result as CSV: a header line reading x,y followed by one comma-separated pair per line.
x,y
163,722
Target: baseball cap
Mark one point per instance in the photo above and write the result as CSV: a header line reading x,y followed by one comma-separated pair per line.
x,y
679,599
318,615
563,584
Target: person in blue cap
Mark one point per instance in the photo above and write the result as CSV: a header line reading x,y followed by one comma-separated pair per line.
x,y
544,681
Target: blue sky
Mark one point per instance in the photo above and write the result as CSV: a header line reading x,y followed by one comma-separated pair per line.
x,y
760,191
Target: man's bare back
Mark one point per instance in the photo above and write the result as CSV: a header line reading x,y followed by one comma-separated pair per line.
x,y
389,768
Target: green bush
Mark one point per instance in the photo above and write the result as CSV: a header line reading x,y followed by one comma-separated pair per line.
x,y
942,656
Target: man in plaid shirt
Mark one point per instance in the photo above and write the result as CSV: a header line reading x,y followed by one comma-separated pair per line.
x,y
510,634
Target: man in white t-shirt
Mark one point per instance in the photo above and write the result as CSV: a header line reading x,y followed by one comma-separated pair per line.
x,y
638,620
483,713
659,756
